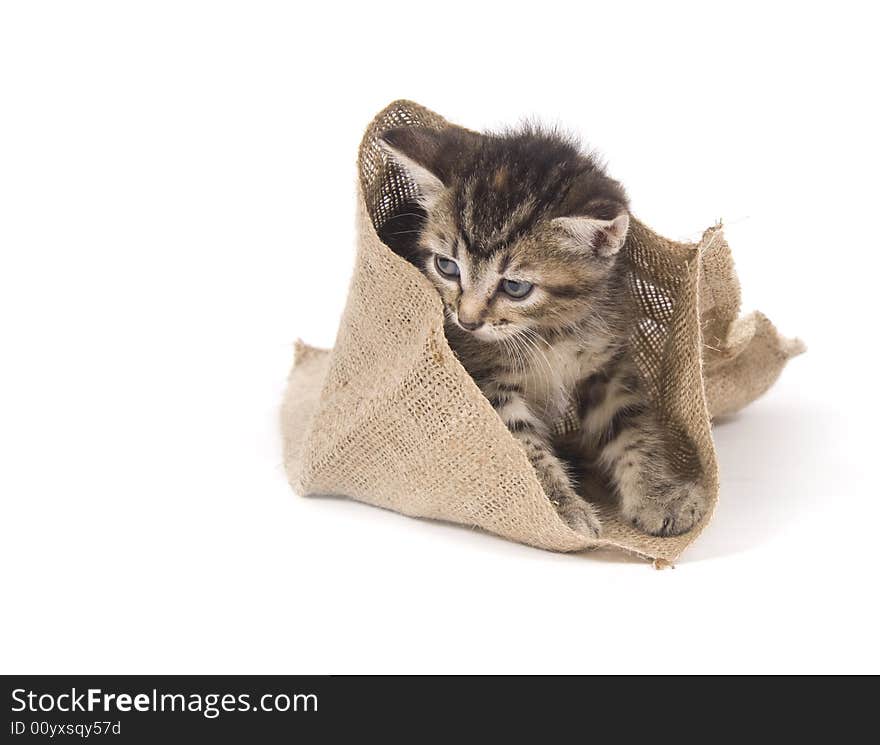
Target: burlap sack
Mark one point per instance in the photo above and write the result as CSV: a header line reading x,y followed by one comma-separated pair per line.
x,y
390,417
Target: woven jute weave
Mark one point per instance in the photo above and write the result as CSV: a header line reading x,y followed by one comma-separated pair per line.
x,y
390,417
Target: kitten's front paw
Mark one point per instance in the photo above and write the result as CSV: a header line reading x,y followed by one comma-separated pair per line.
x,y
671,511
580,516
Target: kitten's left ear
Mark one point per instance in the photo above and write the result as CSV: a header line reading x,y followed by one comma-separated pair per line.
x,y
604,237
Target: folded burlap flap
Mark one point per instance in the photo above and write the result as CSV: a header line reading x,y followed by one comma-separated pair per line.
x,y
390,417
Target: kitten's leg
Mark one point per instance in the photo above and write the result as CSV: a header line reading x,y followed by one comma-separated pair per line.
x,y
532,432
653,497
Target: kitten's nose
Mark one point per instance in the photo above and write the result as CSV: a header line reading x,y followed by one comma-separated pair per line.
x,y
469,325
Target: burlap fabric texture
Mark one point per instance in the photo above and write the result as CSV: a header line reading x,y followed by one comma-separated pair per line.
x,y
390,417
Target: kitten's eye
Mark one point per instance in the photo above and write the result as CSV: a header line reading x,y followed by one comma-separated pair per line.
x,y
446,267
516,289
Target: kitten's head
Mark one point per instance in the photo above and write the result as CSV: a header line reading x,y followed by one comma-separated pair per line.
x,y
522,230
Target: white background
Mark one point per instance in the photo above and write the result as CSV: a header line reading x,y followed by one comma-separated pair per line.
x,y
177,206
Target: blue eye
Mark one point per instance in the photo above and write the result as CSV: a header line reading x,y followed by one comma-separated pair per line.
x,y
446,267
516,289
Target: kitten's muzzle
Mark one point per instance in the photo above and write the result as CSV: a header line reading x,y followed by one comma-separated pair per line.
x,y
469,325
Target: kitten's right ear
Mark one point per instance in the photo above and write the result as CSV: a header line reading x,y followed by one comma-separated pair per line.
x,y
418,152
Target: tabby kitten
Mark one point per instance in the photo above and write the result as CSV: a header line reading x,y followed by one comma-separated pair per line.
x,y
520,234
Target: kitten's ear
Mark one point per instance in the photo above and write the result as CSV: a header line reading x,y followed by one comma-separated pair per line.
x,y
603,237
418,152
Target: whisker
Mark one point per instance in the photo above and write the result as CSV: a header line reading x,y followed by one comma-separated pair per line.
x,y
406,214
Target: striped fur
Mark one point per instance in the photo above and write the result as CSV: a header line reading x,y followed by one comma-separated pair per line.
x,y
527,212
